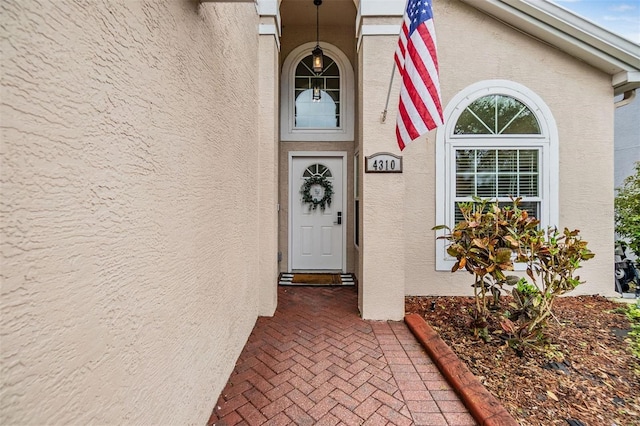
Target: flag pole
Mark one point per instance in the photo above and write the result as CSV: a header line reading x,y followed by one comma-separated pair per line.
x,y
384,113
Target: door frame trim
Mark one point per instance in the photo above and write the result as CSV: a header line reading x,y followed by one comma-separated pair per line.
x,y
336,154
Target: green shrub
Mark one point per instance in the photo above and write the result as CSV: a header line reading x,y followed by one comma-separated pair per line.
x,y
483,244
633,314
526,299
486,242
552,260
627,210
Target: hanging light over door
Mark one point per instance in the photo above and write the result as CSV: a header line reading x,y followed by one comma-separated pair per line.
x,y
317,52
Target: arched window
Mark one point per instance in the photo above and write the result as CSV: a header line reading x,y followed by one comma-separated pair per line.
x,y
317,106
497,115
317,170
499,141
317,96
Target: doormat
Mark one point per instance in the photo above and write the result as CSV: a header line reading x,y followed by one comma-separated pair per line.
x,y
316,279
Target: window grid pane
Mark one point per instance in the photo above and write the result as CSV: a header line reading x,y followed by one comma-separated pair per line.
x,y
317,170
498,175
497,114
322,113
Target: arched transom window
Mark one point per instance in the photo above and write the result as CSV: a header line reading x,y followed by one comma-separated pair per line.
x,y
317,170
317,106
317,96
497,115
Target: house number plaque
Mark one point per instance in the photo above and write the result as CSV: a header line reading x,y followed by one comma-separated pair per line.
x,y
383,162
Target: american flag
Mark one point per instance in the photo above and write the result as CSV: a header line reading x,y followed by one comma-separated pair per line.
x,y
420,106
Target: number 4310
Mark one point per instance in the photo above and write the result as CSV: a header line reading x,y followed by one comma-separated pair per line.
x,y
379,165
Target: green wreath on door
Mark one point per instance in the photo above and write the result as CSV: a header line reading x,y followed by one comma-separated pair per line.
x,y
307,198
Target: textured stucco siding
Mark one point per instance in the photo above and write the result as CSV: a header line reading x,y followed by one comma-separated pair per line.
x,y
473,47
129,208
383,247
268,177
581,101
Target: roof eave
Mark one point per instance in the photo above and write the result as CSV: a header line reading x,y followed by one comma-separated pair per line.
x,y
625,81
571,34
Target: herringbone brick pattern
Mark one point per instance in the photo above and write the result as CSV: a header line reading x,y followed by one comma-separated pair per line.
x,y
315,362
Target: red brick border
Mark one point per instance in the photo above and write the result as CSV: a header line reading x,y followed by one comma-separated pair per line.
x,y
483,406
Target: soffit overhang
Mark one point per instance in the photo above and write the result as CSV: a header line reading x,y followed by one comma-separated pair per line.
x,y
572,34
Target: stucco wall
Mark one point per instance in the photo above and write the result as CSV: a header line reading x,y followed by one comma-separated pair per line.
x,y
268,178
581,100
383,199
129,208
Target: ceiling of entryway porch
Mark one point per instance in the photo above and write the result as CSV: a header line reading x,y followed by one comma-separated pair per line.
x,y
303,13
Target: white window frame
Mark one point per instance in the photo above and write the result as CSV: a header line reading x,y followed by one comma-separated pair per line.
x,y
356,200
288,131
447,142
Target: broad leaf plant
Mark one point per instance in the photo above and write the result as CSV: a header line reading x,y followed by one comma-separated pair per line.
x,y
487,242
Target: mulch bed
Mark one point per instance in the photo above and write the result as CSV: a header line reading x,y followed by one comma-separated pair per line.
x,y
586,373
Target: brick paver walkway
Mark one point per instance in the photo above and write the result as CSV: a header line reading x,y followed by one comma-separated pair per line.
x,y
316,362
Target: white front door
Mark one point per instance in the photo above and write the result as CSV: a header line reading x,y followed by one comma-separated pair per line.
x,y
316,235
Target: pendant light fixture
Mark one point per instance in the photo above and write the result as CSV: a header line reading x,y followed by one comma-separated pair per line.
x,y
317,52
